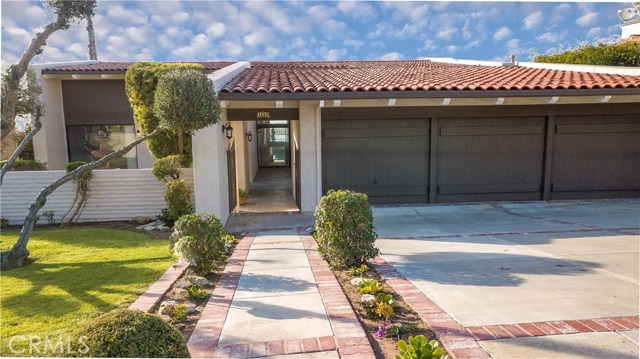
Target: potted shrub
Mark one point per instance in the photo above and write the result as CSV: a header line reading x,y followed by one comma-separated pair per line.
x,y
243,195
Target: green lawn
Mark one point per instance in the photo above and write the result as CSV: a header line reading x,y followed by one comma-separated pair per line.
x,y
78,274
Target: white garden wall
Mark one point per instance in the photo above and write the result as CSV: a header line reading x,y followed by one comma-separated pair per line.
x,y
116,195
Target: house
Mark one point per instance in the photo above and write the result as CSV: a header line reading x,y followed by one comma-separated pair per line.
x,y
423,131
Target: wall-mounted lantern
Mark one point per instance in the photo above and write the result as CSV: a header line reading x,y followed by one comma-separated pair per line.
x,y
227,130
249,136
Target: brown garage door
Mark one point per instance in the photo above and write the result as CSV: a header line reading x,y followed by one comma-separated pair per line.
x,y
596,157
490,159
386,159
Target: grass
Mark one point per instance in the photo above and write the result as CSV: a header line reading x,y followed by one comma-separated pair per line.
x,y
77,274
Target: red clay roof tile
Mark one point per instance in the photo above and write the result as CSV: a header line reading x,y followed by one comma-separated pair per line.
x,y
418,75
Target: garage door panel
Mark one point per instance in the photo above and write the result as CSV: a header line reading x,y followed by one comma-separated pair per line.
x,y
490,159
596,157
386,159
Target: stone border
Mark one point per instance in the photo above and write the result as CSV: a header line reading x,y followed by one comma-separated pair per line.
x,y
351,340
548,328
453,336
277,347
149,299
205,336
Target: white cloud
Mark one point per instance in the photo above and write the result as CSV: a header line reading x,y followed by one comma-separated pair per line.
x,y
392,56
232,48
552,37
502,33
595,32
353,43
333,54
357,9
532,20
259,36
429,45
446,34
452,48
216,30
587,19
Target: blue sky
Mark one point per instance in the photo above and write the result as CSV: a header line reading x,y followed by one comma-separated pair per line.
x,y
309,30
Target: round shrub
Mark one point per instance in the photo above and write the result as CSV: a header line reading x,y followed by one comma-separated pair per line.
x,y
168,167
185,100
131,334
199,239
178,200
344,229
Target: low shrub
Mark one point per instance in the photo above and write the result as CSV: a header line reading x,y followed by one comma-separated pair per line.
x,y
195,292
369,286
617,54
168,168
26,165
4,222
198,238
419,348
177,313
131,334
381,307
344,229
358,271
178,200
49,216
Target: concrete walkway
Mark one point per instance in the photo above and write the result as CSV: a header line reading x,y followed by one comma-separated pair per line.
x,y
284,301
271,191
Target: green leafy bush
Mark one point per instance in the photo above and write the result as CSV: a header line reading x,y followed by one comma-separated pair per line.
x,y
195,292
4,222
381,306
131,334
141,81
177,313
186,100
168,167
72,166
369,286
618,54
178,200
198,238
344,229
229,239
26,165
358,271
419,348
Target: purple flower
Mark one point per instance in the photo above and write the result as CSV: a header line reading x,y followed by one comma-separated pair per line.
x,y
381,331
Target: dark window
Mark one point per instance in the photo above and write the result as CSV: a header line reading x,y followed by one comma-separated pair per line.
x,y
91,142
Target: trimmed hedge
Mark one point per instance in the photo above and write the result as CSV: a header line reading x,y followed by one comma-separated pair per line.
x,y
168,167
131,334
141,80
344,229
26,165
618,54
178,200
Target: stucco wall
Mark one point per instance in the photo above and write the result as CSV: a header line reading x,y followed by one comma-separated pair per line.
x,y
116,195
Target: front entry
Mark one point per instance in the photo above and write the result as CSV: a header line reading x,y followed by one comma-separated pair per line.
x,y
274,148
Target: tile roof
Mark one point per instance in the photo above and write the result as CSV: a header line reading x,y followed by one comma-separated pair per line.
x,y
407,76
120,67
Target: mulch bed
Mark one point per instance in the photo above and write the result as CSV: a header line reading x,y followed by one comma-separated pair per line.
x,y
186,327
404,315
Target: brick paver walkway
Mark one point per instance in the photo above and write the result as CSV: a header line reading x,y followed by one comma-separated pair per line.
x,y
261,285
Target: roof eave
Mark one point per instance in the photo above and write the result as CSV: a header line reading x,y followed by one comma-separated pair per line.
x,y
248,96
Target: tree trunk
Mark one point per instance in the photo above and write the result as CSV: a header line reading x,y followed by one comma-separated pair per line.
x,y
93,52
37,125
17,71
16,256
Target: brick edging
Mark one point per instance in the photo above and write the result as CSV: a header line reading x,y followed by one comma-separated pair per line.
x,y
558,327
351,340
276,347
148,300
453,336
204,339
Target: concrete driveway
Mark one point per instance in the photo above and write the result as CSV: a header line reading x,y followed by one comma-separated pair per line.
x,y
491,265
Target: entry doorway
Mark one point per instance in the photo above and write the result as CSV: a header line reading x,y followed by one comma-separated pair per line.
x,y
274,143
